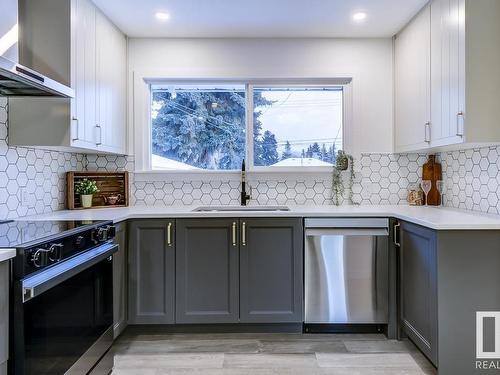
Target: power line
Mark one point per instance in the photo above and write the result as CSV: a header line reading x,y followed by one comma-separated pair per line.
x,y
197,115
319,140
206,120
268,108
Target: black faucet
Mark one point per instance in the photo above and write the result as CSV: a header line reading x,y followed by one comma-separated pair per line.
x,y
244,196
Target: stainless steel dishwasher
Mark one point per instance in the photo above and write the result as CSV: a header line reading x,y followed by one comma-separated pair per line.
x,y
346,271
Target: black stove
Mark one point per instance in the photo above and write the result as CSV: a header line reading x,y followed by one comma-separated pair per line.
x,y
61,295
41,244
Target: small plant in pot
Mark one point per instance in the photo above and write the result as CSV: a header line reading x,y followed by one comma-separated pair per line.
x,y
86,188
343,162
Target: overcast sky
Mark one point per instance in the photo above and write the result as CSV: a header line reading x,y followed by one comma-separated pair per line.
x,y
303,117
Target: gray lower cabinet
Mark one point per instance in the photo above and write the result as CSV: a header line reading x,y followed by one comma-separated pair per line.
x,y
271,263
419,287
4,316
151,271
207,286
446,278
120,262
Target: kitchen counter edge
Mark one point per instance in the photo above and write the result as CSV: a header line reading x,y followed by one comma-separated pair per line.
x,y
6,254
437,218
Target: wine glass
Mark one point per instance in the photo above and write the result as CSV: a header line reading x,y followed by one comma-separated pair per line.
x,y
426,187
440,188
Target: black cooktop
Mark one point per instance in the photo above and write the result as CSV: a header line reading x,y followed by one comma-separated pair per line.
x,y
21,234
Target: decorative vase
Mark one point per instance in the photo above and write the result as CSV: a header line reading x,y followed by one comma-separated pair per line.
x,y
86,200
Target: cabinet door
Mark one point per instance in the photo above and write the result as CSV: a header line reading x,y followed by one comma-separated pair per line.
x,y
8,21
151,272
4,316
207,287
120,261
90,77
412,84
419,287
111,80
83,74
447,72
271,270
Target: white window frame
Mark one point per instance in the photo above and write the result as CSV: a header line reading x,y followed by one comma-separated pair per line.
x,y
142,96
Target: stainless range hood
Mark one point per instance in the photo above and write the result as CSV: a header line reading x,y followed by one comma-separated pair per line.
x,y
16,79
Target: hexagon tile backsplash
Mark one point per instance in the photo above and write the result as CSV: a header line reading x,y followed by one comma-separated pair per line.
x,y
383,179
32,181
471,181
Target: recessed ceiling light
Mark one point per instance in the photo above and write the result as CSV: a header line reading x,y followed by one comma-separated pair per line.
x,y
162,16
359,16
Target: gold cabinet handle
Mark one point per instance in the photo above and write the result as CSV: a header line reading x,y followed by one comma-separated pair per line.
x,y
169,235
244,234
234,233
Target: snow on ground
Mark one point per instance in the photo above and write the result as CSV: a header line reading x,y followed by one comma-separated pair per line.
x,y
161,163
165,164
301,162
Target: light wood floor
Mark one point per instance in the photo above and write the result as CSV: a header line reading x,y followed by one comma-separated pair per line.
x,y
263,354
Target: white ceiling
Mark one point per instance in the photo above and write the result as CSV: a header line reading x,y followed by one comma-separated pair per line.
x,y
260,18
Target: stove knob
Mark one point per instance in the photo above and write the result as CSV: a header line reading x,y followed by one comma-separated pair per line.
x,y
102,234
39,258
99,235
111,231
55,252
80,242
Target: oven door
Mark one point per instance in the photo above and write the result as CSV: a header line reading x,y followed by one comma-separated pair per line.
x,y
63,317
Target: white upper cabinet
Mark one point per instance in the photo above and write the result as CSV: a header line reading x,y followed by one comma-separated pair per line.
x,y
111,86
446,86
92,60
412,84
83,70
464,77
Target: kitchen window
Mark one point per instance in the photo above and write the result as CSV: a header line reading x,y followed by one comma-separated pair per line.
x,y
296,126
196,127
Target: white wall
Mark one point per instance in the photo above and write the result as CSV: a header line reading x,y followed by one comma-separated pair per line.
x,y
367,61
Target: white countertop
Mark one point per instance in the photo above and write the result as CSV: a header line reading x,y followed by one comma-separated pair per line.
x,y
431,217
6,254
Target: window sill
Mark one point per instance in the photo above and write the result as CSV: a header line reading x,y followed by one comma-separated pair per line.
x,y
278,173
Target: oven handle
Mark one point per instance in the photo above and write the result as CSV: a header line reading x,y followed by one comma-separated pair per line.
x,y
35,285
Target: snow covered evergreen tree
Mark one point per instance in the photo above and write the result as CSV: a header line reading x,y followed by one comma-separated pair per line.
x,y
324,153
205,129
287,153
269,155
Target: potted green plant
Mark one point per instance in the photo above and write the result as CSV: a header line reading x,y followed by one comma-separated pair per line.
x,y
86,188
343,162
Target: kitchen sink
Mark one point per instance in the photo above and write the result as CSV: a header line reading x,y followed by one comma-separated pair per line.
x,y
241,208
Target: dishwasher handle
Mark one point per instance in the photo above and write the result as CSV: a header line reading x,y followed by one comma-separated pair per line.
x,y
346,222
312,232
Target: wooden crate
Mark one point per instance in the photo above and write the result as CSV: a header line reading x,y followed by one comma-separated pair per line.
x,y
108,183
